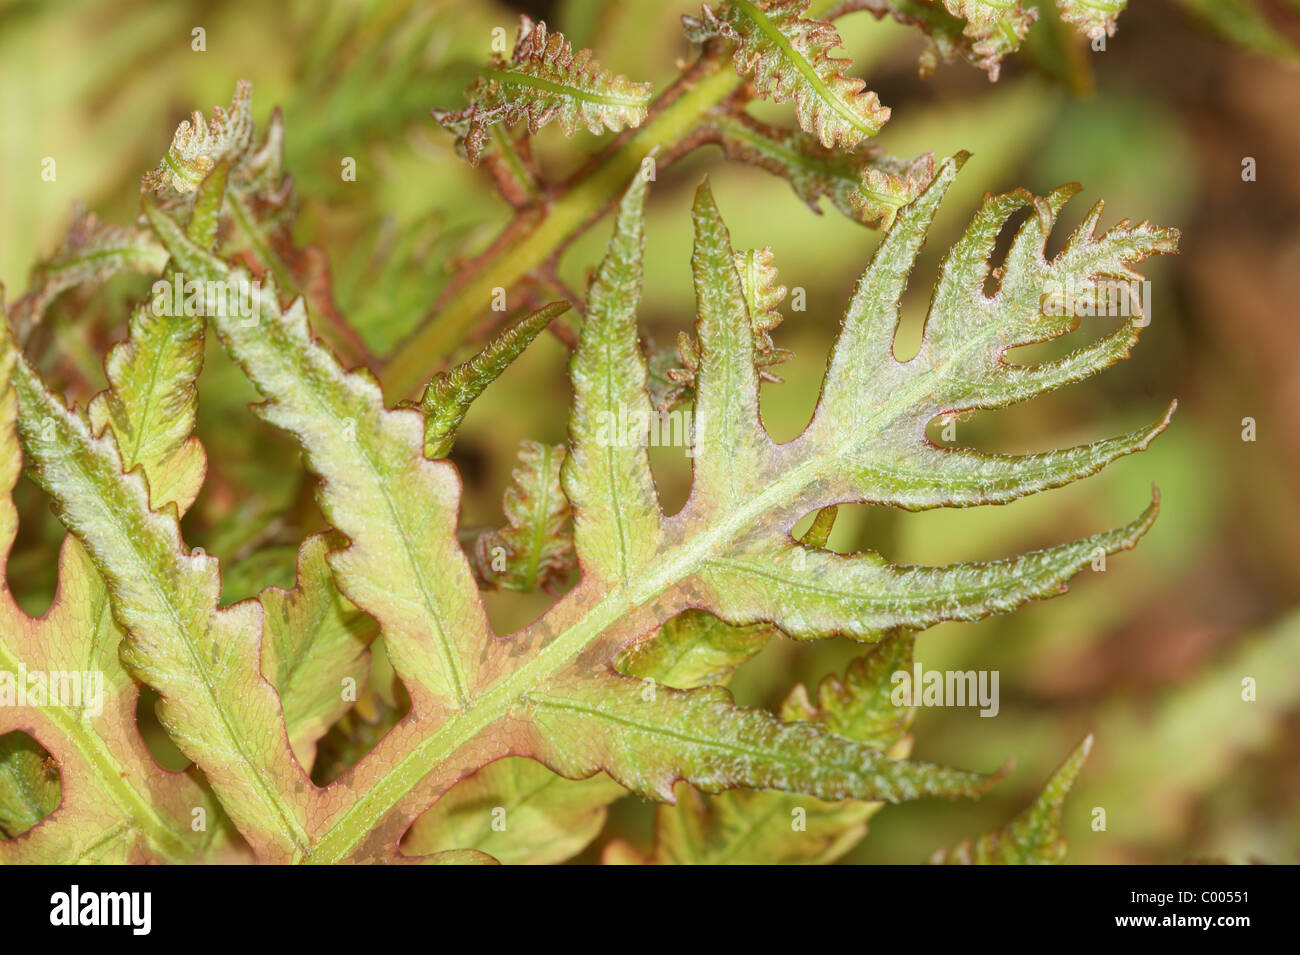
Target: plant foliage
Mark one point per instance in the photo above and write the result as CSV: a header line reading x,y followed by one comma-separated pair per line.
x,y
369,711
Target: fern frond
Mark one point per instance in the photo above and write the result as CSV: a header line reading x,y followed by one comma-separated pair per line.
x,y
535,548
448,396
764,827
545,81
115,803
198,145
994,29
787,56
91,253
1033,837
648,738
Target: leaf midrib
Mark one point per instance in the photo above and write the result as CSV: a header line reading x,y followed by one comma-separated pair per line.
x,y
576,93
800,62
369,808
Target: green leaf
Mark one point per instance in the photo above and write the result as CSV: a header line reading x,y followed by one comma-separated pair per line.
x,y
766,828
607,473
397,508
647,737
314,649
693,649
518,812
787,56
116,803
28,790
543,82
151,402
448,396
535,548
1033,837
202,660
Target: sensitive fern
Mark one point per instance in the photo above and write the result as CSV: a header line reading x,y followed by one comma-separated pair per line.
x,y
370,712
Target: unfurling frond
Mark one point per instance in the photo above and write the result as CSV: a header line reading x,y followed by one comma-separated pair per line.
x,y
535,548
198,145
545,81
787,56
994,29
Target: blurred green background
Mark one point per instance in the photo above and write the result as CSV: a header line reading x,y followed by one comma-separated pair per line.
x,y
1150,654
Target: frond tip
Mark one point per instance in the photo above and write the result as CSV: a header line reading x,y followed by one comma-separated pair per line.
x,y
1033,837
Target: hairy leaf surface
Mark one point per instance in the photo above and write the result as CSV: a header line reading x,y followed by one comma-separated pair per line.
x,y
545,81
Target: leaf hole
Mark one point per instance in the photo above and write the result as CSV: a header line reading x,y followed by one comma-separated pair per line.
x,y
164,752
380,706
998,258
30,784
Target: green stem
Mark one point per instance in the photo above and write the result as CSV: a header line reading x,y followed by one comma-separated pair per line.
x,y
532,239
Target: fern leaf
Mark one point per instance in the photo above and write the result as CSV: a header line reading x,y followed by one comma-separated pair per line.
x,y
518,812
647,738
149,408
787,56
448,396
863,183
535,548
151,401
115,803
203,661
314,650
396,508
616,522
766,827
543,82
91,253
548,691
1033,837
